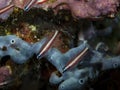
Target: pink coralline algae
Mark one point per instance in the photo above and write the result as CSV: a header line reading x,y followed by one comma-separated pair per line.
x,y
6,6
5,73
3,4
87,8
78,8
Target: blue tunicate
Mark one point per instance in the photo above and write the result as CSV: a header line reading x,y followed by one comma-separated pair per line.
x,y
19,50
73,79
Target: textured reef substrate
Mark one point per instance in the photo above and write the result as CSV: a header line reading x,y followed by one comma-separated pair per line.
x,y
36,24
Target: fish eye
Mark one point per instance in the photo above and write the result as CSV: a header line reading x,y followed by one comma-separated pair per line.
x,y
12,41
81,81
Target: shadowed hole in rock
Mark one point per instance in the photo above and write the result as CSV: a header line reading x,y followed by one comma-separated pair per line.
x,y
4,59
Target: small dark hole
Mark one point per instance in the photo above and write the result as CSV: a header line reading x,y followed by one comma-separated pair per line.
x,y
62,86
18,49
4,60
4,48
86,0
115,65
81,81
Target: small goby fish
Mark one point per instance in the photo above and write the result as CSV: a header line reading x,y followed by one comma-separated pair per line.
x,y
41,1
32,2
47,45
73,62
3,10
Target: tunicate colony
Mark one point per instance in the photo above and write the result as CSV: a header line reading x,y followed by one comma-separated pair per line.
x,y
74,78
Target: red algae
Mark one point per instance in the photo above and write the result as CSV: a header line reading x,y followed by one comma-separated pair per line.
x,y
5,72
88,8
3,4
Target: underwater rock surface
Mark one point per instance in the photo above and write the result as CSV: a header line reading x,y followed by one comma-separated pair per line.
x,y
79,8
68,64
87,9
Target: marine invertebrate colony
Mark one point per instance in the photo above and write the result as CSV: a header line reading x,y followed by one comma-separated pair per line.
x,y
77,66
20,51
